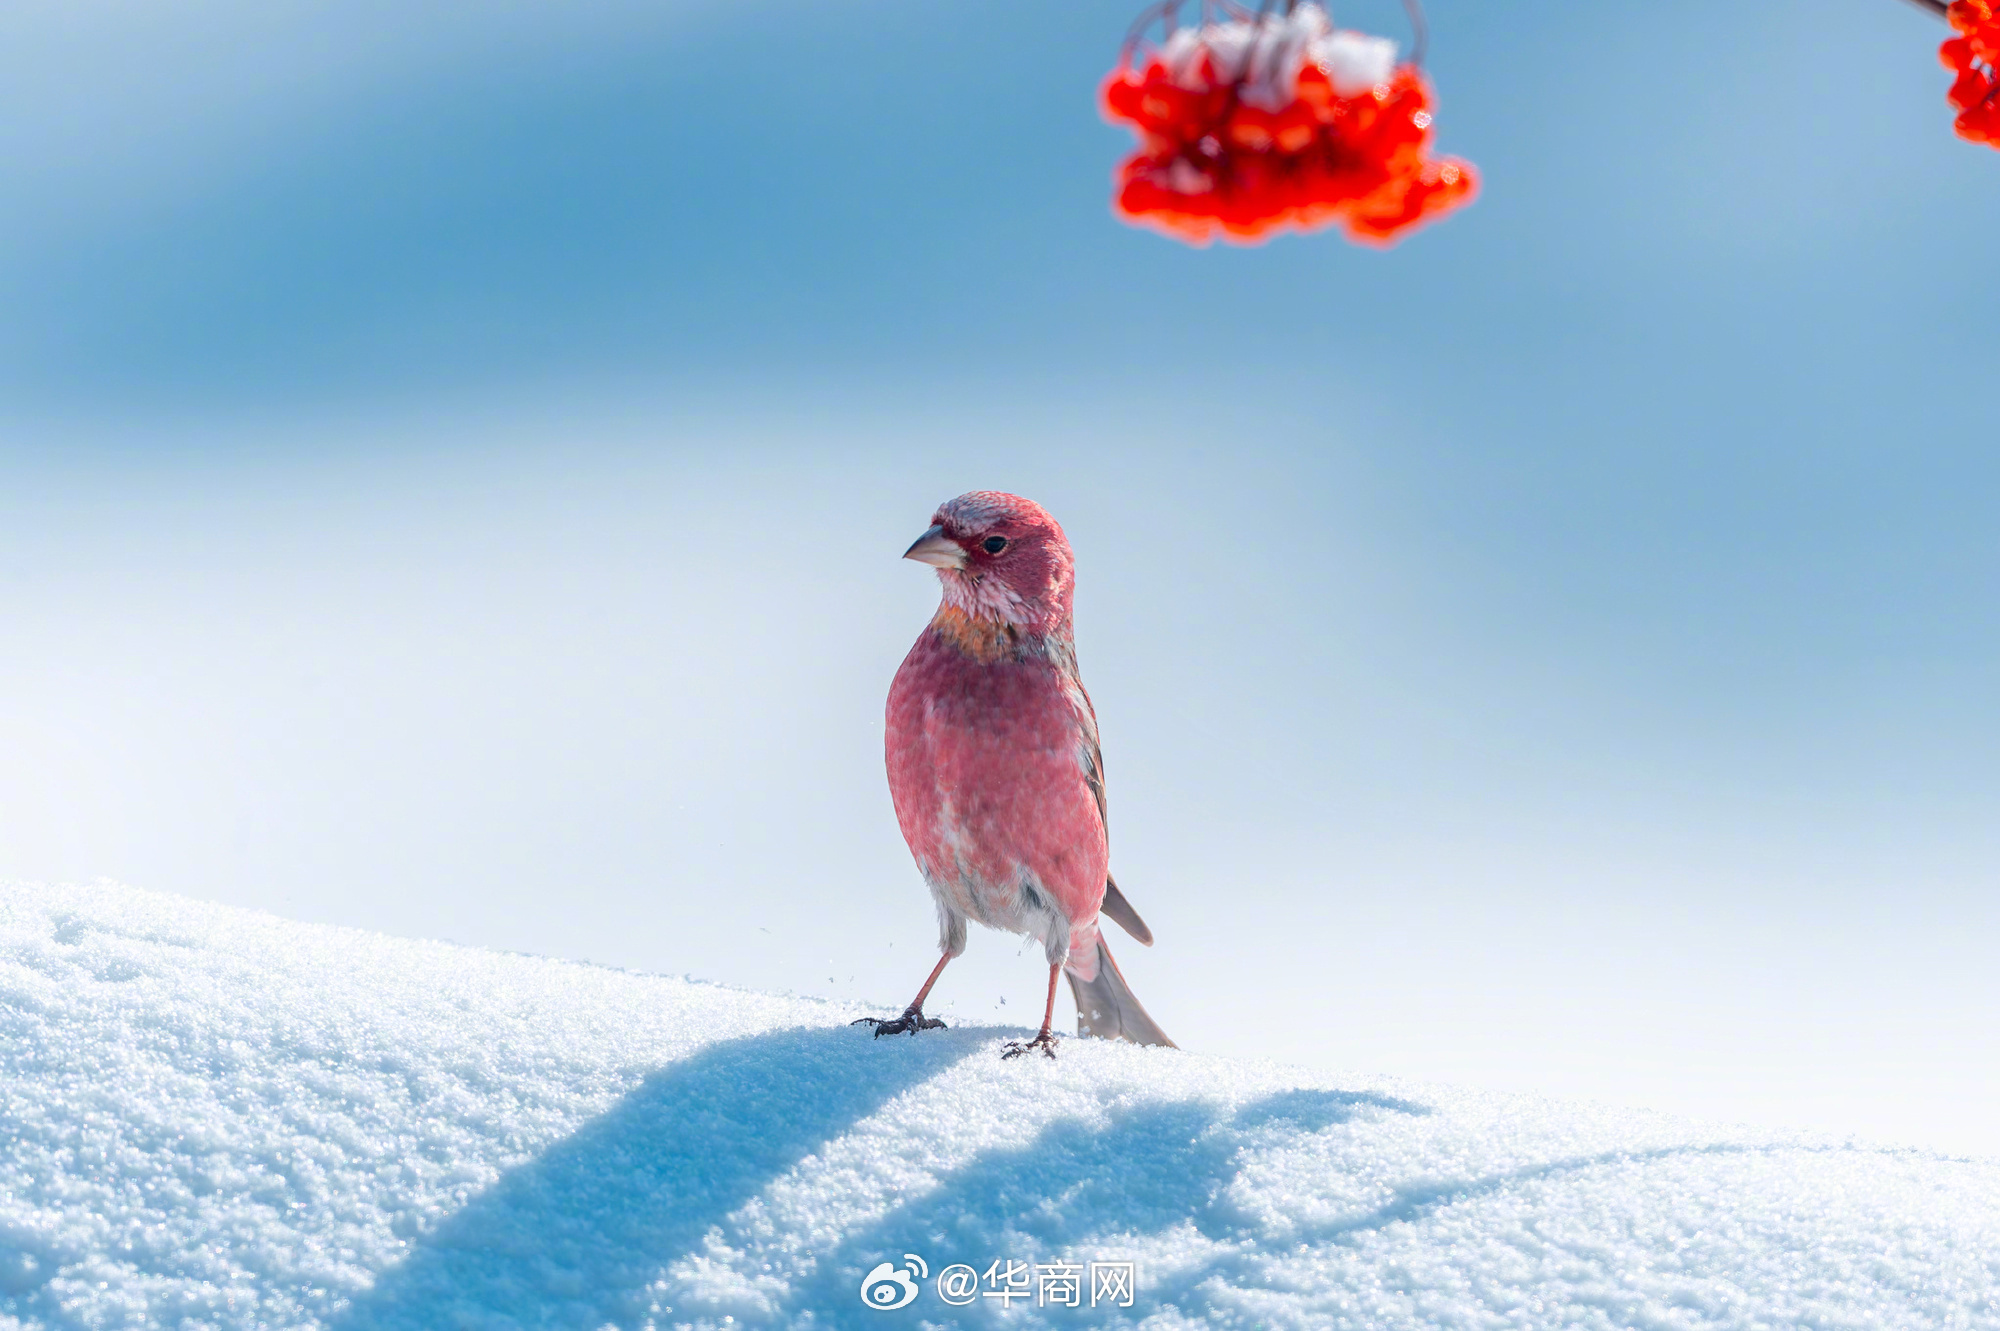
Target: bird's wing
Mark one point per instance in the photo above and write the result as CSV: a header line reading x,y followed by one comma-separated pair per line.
x,y
1090,758
1118,908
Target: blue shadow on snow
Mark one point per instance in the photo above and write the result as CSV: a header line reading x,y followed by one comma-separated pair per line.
x,y
574,1237
1144,1170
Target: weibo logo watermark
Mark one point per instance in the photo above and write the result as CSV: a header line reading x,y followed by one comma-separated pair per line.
x,y
1057,1284
887,1288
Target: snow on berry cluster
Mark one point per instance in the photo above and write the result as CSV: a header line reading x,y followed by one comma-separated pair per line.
x,y
1252,126
1974,55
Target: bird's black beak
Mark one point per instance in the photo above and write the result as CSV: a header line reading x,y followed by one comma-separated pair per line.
x,y
936,549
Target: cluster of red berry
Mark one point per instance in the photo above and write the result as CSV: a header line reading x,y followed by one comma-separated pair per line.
x,y
1248,128
1974,55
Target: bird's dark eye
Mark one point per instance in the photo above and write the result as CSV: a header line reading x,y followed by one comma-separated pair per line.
x,y
995,544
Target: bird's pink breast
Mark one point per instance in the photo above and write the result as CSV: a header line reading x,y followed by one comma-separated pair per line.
x,y
984,770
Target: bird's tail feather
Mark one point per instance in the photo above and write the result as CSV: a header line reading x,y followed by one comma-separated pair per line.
x,y
1107,1008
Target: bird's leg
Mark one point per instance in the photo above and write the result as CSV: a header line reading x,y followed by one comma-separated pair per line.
x,y
1046,1041
913,1018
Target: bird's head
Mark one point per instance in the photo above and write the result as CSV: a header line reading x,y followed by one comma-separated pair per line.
x,y
1001,558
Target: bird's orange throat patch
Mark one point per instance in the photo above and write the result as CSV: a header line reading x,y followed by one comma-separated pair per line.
x,y
984,640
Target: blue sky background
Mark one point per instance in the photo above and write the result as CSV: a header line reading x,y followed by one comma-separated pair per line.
x,y
455,461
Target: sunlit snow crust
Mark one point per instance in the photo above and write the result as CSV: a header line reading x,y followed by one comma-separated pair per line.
x,y
211,1118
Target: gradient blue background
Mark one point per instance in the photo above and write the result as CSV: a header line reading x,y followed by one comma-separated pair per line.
x,y
453,463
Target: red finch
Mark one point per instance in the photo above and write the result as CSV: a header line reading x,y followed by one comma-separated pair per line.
x,y
995,769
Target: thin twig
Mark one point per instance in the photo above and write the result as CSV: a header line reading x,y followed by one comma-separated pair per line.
x,y
1420,32
1936,7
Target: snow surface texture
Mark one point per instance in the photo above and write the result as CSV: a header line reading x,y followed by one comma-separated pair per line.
x,y
213,1118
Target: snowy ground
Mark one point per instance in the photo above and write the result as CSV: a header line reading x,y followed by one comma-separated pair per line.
x,y
216,1118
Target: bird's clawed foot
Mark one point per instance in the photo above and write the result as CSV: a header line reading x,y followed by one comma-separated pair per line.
x,y
1046,1042
912,1021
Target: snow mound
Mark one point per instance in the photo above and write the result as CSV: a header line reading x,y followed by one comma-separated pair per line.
x,y
213,1118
